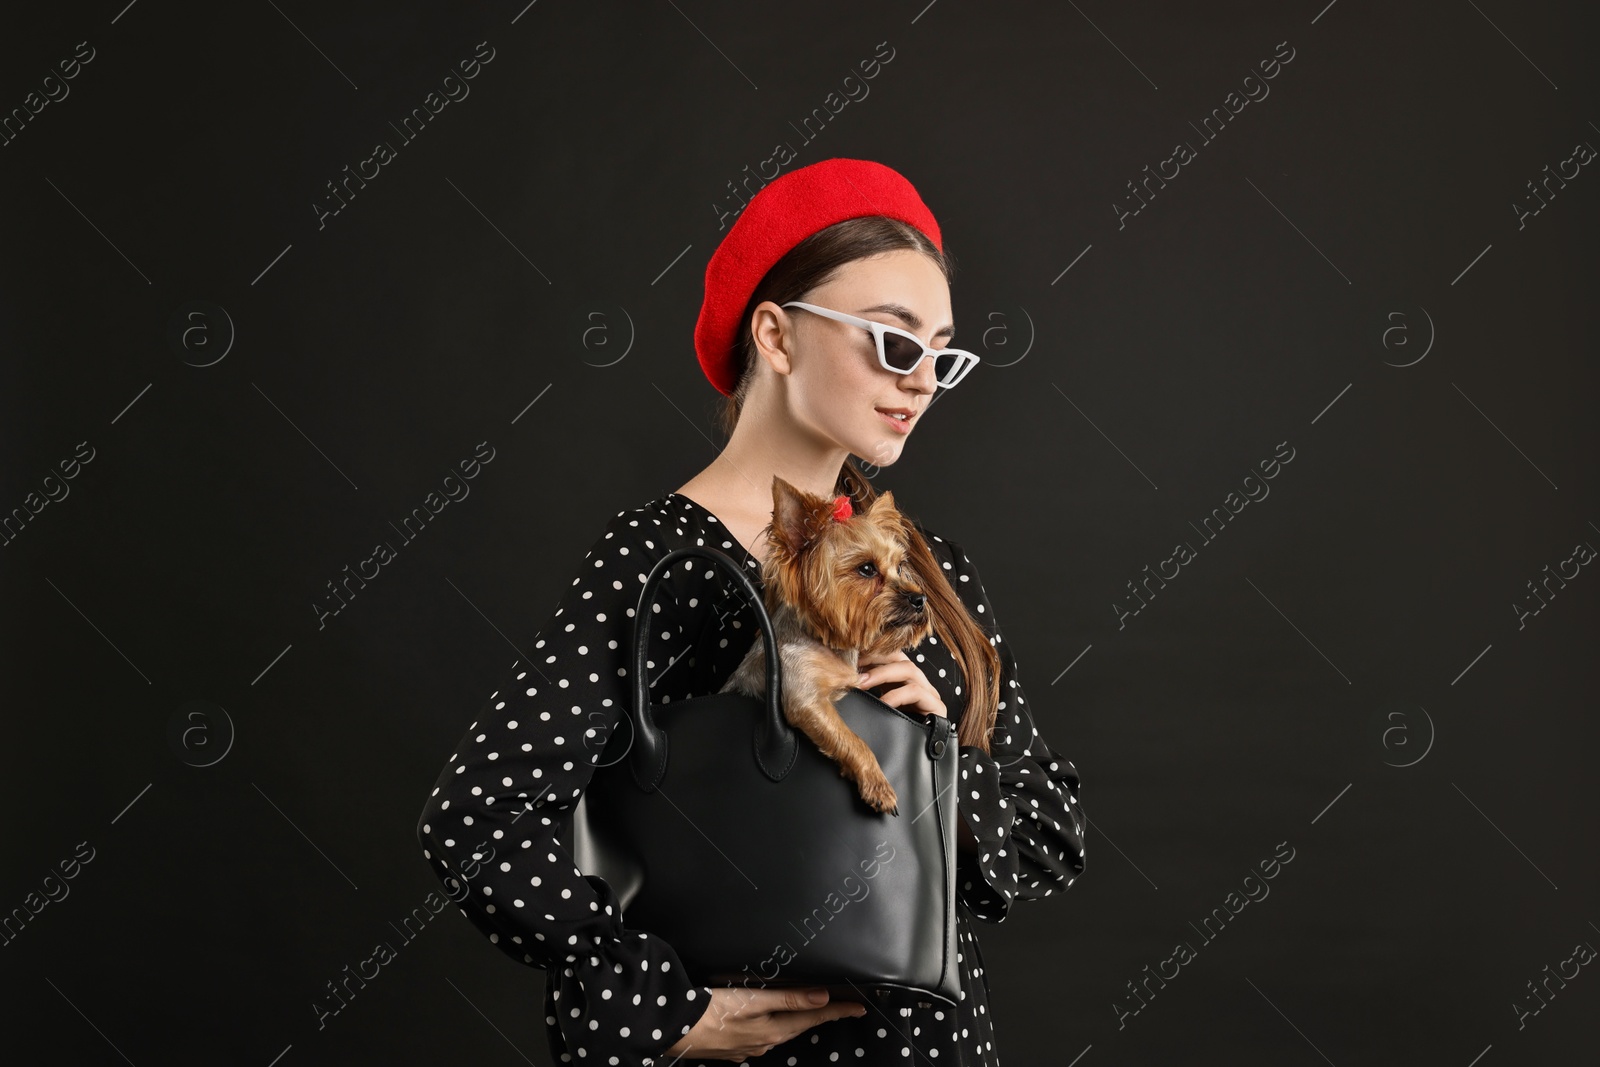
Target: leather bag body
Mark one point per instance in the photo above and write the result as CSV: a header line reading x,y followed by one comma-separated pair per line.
x,y
726,832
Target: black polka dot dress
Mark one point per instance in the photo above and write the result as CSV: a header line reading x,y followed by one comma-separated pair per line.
x,y
492,829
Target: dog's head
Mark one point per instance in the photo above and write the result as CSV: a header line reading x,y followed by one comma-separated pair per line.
x,y
849,576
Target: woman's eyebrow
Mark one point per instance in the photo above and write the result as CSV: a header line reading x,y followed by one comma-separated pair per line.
x,y
909,317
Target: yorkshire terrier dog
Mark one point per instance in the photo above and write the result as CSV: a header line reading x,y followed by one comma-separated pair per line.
x,y
837,586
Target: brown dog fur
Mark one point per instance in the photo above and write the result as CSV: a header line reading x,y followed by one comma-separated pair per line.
x,y
835,590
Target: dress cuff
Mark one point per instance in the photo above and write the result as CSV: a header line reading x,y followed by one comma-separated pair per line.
x,y
986,881
629,997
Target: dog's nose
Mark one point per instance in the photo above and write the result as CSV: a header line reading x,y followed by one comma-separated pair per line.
x,y
917,600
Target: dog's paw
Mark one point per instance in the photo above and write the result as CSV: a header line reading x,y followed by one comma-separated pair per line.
x,y
880,795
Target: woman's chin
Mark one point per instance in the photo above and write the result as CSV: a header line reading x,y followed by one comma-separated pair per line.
x,y
881,453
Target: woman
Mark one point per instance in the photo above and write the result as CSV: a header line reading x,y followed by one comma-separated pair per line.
x,y
806,390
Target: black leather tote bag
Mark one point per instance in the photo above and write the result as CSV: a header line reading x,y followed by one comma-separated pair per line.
x,y
726,832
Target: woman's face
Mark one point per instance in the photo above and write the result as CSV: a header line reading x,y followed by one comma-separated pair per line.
x,y
836,386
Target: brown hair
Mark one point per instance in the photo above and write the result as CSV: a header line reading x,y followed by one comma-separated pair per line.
x,y
814,262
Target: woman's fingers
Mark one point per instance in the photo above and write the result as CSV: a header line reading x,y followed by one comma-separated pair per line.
x,y
754,1021
899,657
790,1012
910,688
798,1022
796,1000
897,668
901,674
923,699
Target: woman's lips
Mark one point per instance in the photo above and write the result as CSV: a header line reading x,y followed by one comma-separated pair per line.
x,y
901,426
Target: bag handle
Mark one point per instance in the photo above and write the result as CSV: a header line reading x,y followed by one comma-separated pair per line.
x,y
775,741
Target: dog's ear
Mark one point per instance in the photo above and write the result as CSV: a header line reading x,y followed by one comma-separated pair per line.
x,y
898,522
791,519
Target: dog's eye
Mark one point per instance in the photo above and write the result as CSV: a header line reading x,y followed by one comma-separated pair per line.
x,y
867,570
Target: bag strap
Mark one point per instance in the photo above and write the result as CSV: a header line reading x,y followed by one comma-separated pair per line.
x,y
775,741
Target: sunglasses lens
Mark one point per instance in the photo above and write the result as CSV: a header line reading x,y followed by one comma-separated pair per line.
x,y
901,352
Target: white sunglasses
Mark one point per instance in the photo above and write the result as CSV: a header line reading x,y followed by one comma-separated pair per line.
x,y
901,351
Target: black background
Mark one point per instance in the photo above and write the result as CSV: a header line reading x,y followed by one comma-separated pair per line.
x,y
1342,669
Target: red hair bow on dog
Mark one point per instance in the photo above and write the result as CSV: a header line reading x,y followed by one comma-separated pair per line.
x,y
841,508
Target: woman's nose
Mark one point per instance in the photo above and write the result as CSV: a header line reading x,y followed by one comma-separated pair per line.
x,y
923,377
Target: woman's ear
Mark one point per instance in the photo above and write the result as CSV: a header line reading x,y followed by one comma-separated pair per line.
x,y
772,329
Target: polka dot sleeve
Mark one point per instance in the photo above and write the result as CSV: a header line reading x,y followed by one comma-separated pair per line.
x,y
492,827
1021,798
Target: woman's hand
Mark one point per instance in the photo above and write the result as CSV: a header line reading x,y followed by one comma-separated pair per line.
x,y
912,689
740,1023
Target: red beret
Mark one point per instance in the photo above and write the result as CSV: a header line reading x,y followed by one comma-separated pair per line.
x,y
783,213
